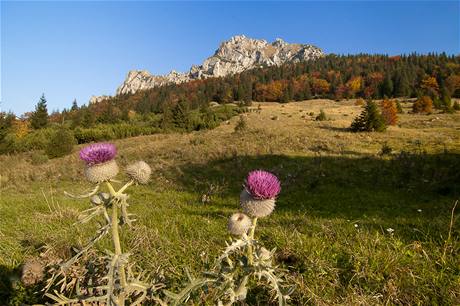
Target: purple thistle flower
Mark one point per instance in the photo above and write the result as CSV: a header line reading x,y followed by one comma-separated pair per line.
x,y
98,153
262,185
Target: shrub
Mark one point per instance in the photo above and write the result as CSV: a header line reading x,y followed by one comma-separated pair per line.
x,y
456,106
60,144
386,149
389,112
399,107
322,116
423,105
369,120
38,158
241,125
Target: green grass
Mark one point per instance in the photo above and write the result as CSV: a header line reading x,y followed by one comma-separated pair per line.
x,y
329,227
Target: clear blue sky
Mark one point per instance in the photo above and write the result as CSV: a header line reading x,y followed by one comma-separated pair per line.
x,y
73,50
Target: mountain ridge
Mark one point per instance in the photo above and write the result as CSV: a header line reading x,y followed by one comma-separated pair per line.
x,y
235,55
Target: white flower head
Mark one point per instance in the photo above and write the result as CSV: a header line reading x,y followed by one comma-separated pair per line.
x,y
239,224
140,172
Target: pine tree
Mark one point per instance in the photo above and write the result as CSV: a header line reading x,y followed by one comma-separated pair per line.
x,y
74,105
387,87
39,118
167,118
369,120
181,116
402,87
446,102
307,91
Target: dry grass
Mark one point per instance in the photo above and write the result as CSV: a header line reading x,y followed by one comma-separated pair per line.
x,y
332,180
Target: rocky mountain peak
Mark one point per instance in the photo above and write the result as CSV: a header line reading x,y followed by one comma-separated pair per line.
x,y
235,55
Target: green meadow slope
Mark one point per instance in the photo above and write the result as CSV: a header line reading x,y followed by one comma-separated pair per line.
x,y
352,226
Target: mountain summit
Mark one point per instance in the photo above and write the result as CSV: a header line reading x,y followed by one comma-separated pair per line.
x,y
235,55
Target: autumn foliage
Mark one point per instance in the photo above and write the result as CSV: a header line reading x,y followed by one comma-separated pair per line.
x,y
389,112
423,105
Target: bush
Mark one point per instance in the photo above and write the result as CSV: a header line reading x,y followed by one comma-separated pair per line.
x,y
322,116
386,149
369,120
60,144
241,125
399,107
423,105
38,158
456,106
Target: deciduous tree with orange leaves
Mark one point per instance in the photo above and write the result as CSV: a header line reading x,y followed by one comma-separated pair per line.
x,y
423,105
320,86
389,112
430,86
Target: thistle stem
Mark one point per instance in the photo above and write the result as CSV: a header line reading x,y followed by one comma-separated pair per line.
x,y
251,239
125,186
116,242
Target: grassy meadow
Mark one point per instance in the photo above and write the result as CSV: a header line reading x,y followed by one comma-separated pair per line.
x,y
354,224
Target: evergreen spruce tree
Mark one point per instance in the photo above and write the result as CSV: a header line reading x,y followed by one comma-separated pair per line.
x,y
387,87
74,105
402,87
307,91
181,116
167,122
39,118
369,120
446,102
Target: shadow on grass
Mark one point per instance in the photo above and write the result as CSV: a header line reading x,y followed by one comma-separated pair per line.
x,y
12,291
409,187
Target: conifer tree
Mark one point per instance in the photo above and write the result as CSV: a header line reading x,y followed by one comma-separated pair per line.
x,y
402,88
167,122
39,118
369,120
181,116
387,87
446,102
74,105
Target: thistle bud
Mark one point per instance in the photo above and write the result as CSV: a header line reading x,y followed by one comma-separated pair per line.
x,y
32,272
140,172
99,173
238,224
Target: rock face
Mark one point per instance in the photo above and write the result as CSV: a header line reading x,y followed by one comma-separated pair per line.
x,y
97,99
233,56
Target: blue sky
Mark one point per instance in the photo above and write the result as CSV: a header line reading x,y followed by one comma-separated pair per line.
x,y
71,50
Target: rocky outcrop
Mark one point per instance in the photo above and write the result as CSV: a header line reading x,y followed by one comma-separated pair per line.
x,y
97,99
236,55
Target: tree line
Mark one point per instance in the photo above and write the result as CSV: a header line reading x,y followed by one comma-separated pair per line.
x,y
186,106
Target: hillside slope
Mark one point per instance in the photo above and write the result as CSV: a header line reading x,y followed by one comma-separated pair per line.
x,y
330,227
